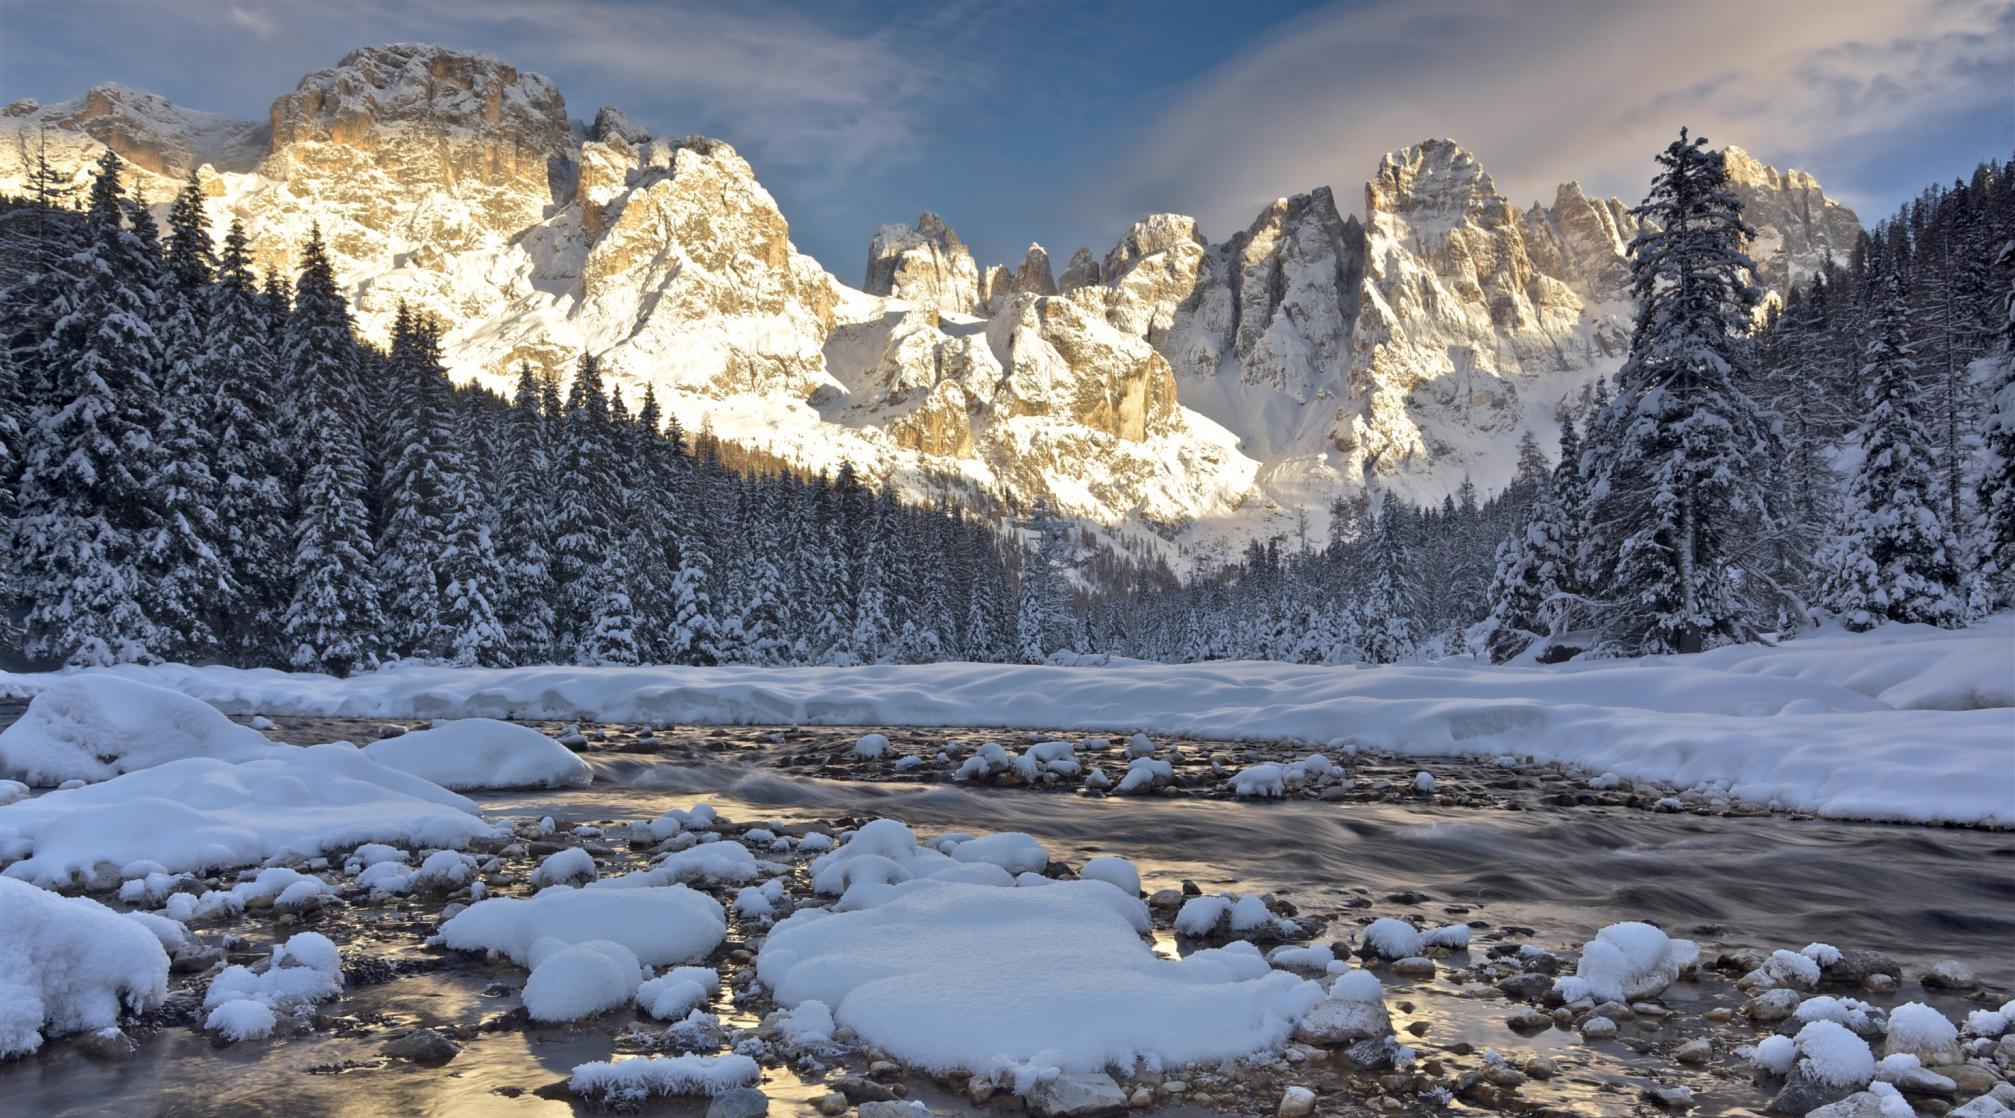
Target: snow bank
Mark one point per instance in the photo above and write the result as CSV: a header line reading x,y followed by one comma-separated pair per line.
x,y
200,814
482,753
948,975
94,727
1903,722
659,925
68,964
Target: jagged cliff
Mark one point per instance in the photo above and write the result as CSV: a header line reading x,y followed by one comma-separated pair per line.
x,y
1171,382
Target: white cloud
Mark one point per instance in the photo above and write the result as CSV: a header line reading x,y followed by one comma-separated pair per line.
x,y
255,20
1542,92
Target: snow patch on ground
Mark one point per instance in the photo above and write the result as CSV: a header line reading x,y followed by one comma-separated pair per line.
x,y
482,753
94,727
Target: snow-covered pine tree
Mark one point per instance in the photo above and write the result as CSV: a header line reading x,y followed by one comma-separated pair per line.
x,y
471,633
86,482
612,636
332,621
418,487
1682,452
526,526
1893,558
1386,612
1995,491
583,528
248,463
1044,588
186,569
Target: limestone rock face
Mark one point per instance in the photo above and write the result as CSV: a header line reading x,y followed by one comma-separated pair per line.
x,y
925,264
1797,226
1081,271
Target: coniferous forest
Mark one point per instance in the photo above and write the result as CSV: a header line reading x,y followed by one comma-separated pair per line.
x,y
204,464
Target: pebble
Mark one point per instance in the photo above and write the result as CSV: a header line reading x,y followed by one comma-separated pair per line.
x,y
1541,1067
832,1103
1598,1028
1771,1005
1414,966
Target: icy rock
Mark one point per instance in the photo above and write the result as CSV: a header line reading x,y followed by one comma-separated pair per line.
x,y
424,1046
1076,1096
1806,1091
1353,1010
1387,938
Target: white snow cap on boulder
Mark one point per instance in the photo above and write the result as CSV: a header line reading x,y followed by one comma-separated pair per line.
x,y
660,925
952,975
68,964
1628,962
95,726
482,753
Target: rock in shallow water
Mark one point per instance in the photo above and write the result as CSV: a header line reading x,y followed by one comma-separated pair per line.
x,y
742,1102
1076,1096
424,1046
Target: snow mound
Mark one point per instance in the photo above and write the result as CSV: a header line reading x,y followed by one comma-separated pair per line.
x,y
1388,938
955,976
1012,851
635,1080
470,754
94,727
572,866
570,981
660,925
200,814
68,964
709,863
1114,871
871,747
677,992
1628,962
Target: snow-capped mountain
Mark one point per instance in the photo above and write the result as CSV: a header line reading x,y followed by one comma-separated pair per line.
x,y
1175,383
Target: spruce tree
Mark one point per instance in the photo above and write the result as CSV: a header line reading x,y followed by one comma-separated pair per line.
x,y
1682,452
419,486
332,621
1894,559
249,464
1995,491
525,536
583,528
87,505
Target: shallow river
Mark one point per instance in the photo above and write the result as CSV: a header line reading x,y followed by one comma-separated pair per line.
x,y
1918,894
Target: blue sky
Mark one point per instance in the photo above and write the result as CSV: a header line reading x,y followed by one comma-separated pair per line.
x,y
1062,122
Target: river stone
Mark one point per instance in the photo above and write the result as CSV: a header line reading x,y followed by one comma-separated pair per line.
x,y
1860,1104
1923,1081
1970,1079
1671,1098
858,1089
1073,1096
1530,986
1598,1028
1414,966
1804,1093
1695,1051
1949,975
1855,964
1335,1021
109,1043
882,1109
744,1102
1771,1005
424,1046
1295,1103
1373,1055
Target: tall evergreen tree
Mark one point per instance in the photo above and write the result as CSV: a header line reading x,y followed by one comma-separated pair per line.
x,y
1894,559
419,486
525,537
1995,491
332,621
1682,451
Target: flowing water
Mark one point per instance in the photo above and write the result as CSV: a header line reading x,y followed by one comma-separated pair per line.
x,y
1517,868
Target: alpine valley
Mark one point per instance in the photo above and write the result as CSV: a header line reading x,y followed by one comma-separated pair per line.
x,y
1173,389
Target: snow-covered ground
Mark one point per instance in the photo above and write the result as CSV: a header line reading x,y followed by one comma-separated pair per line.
x,y
1902,723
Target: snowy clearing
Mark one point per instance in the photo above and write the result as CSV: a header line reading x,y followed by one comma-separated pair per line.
x,y
1903,723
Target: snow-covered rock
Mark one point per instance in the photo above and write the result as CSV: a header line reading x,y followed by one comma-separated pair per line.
x,y
1628,962
94,727
661,925
948,975
199,814
469,754
570,981
68,964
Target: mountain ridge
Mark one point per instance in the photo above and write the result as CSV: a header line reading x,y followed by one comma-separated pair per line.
x,y
1170,389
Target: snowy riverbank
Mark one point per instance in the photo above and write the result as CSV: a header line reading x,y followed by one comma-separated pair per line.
x,y
1903,723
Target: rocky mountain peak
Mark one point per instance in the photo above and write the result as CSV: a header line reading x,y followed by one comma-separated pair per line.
x,y
925,264
1797,226
1431,177
613,122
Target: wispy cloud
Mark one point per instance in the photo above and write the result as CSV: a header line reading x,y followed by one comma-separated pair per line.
x,y
259,21
1545,92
